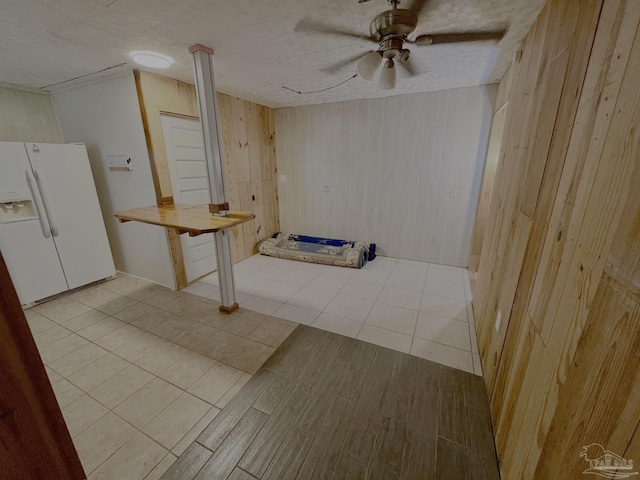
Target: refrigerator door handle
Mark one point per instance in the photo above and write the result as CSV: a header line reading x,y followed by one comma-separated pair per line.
x,y
45,200
43,226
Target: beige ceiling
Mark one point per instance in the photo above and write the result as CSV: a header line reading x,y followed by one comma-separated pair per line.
x,y
44,42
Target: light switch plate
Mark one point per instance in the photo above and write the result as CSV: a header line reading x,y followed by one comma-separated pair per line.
x,y
452,192
498,320
283,178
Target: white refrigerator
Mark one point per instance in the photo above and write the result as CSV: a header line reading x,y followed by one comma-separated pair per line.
x,y
52,233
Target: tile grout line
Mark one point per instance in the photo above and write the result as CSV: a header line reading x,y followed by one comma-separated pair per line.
x,y
185,318
161,460
374,304
406,334
376,301
359,330
138,366
413,337
112,410
126,360
129,364
155,376
88,393
128,440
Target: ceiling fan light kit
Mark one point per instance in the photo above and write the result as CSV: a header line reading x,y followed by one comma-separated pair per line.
x,y
388,76
391,30
369,64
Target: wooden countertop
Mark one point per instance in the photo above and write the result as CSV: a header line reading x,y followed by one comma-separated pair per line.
x,y
192,219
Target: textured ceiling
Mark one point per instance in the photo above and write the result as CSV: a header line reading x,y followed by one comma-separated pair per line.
x,y
43,42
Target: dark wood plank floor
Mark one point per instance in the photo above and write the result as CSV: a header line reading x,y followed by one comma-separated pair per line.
x,y
326,406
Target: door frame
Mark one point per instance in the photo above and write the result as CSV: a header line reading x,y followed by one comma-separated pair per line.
x,y
179,99
34,437
175,176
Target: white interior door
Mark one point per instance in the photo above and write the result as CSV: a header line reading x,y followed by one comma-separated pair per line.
x,y
188,169
65,182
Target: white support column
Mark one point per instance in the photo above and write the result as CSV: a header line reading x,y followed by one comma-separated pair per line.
x,y
210,121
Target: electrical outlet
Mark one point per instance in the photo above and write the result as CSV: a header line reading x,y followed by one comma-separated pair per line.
x,y
283,178
452,192
326,188
498,320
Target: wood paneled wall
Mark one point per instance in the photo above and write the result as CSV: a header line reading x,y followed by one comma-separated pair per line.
x,y
561,252
390,164
248,137
248,134
494,151
488,179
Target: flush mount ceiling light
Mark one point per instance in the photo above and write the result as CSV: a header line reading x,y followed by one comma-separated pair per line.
x,y
151,59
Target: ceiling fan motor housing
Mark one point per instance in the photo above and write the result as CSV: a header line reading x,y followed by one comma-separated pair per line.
x,y
397,23
391,28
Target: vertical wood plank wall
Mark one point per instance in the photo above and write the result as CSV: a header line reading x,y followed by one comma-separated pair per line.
x,y
494,151
488,179
248,136
390,164
561,251
248,132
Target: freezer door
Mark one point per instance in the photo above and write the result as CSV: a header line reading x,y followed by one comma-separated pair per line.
x,y
27,245
64,178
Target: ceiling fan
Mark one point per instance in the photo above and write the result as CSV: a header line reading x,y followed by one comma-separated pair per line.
x,y
390,30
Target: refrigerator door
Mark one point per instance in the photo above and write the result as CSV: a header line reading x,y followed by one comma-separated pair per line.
x,y
26,242
64,178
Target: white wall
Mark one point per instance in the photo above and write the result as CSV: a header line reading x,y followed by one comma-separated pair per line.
x,y
27,117
106,117
390,164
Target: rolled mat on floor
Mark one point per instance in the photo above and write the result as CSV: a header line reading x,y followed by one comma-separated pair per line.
x,y
327,251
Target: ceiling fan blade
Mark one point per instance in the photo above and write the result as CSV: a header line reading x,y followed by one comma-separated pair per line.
x,y
417,7
440,38
310,26
342,63
408,66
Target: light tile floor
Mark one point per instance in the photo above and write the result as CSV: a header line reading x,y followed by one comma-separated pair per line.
x,y
414,307
139,371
